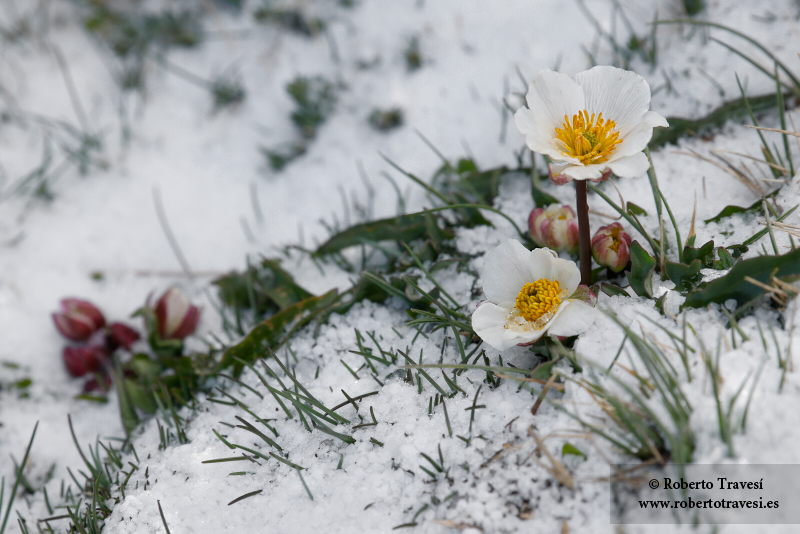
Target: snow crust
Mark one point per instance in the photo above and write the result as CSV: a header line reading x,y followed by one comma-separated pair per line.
x,y
206,168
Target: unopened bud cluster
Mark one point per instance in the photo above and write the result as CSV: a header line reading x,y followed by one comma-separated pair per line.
x,y
93,341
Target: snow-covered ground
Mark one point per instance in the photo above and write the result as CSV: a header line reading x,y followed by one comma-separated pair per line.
x,y
99,237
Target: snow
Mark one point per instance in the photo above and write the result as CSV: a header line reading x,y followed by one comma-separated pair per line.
x,y
206,168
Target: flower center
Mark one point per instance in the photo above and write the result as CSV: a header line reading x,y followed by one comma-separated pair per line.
x,y
590,139
538,298
616,239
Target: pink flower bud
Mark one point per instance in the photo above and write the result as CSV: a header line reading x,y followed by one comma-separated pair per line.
x,y
555,227
176,316
611,247
82,360
78,319
122,335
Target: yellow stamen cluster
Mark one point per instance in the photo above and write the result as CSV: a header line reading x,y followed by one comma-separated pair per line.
x,y
538,298
590,139
616,239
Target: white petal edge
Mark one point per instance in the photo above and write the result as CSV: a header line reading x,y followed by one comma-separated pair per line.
x,y
630,166
489,322
506,270
637,140
620,95
574,317
566,273
585,172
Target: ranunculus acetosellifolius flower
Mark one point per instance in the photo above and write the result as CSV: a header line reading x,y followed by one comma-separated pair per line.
x,y
596,122
529,294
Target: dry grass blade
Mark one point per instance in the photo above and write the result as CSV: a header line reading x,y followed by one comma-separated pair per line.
x,y
792,229
545,389
557,387
453,524
780,291
772,165
694,218
748,181
778,130
556,469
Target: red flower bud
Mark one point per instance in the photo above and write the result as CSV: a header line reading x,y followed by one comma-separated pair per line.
x,y
78,319
555,227
93,384
122,335
82,360
177,317
611,247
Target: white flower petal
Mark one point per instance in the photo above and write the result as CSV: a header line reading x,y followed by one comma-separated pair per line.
x,y
506,270
540,265
551,96
489,322
653,119
573,317
639,137
630,166
566,273
620,95
585,172
538,139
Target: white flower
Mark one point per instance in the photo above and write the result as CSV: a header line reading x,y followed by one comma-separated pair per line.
x,y
596,122
528,292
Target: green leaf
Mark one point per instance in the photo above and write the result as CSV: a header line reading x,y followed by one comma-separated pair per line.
x,y
733,110
264,288
725,261
640,277
727,211
636,210
140,396
704,253
143,366
737,250
127,412
404,228
466,185
661,302
466,165
544,371
684,276
569,448
734,286
755,207
272,332
612,291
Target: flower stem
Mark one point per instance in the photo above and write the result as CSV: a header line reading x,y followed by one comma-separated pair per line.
x,y
583,232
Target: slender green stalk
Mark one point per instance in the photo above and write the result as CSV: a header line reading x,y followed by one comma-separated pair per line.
x,y
651,174
18,480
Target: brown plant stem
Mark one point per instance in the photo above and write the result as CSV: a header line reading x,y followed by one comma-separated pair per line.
x,y
583,232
